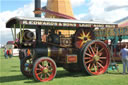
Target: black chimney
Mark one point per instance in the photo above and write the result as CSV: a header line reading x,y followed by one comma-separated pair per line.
x,y
37,7
38,12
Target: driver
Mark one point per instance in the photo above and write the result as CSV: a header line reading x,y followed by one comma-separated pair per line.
x,y
44,36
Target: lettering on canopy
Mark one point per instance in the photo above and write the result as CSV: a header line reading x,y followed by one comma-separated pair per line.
x,y
65,24
108,32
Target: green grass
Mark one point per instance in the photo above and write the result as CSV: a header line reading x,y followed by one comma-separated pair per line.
x,y
10,75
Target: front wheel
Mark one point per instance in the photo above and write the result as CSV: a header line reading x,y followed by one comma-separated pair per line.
x,y
44,69
26,66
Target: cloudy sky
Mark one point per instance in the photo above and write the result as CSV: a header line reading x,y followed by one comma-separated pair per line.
x,y
104,10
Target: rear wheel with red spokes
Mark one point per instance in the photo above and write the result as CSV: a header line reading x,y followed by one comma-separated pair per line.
x,y
95,57
44,69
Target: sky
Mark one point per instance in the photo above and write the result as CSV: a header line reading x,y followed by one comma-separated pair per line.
x,y
103,10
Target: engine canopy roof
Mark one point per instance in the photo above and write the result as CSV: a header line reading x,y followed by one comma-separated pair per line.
x,y
32,22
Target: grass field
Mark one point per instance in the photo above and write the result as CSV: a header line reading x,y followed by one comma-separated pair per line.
x,y
10,75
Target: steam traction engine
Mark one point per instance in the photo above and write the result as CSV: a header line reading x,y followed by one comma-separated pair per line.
x,y
77,51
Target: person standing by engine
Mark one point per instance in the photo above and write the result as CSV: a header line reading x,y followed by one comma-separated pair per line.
x,y
124,57
10,53
44,37
5,53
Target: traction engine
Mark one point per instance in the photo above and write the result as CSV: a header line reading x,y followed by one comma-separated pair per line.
x,y
40,55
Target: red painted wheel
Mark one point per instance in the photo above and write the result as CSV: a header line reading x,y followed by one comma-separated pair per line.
x,y
44,69
82,36
26,66
95,57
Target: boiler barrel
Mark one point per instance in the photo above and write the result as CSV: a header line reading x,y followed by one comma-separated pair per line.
x,y
53,52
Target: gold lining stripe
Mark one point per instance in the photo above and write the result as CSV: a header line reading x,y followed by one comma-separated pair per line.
x,y
60,51
70,51
49,52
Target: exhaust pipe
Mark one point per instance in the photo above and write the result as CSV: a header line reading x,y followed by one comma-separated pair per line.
x,y
37,8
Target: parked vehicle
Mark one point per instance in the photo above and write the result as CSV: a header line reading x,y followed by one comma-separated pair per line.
x,y
15,50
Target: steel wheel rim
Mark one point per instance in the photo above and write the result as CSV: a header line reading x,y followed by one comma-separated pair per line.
x,y
45,73
96,60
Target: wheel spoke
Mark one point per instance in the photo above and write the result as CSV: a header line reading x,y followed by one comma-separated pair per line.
x,y
48,74
88,34
101,50
92,50
40,66
47,66
89,51
100,64
81,43
97,52
95,46
92,66
88,55
38,69
39,73
95,67
83,33
103,58
100,54
80,38
41,76
101,61
45,75
50,70
42,63
89,66
89,61
50,65
87,58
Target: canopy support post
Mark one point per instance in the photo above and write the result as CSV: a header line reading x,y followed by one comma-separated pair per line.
x,y
38,34
23,32
20,33
12,33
